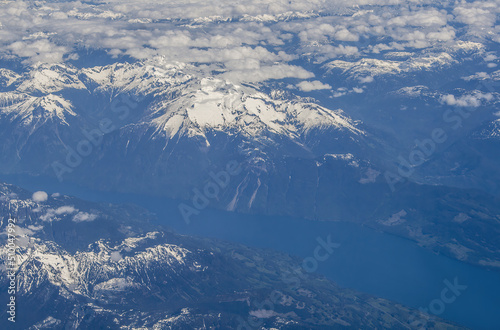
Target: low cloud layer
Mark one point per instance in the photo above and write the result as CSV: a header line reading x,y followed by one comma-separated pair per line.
x,y
474,100
248,41
307,86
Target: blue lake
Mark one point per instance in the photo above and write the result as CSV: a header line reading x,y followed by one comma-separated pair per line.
x,y
366,260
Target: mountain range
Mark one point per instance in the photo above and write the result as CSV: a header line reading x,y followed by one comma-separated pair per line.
x,y
87,265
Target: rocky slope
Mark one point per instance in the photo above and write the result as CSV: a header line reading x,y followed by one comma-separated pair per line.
x,y
131,276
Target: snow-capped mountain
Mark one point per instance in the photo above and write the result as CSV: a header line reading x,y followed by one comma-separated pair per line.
x,y
32,112
161,128
370,112
163,110
219,106
155,279
181,101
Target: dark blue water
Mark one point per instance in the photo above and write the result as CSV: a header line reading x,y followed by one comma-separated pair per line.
x,y
366,260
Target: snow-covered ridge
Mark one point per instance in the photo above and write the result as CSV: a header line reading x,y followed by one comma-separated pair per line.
x,y
219,105
31,110
412,91
53,78
7,77
183,101
102,267
376,67
152,77
492,131
141,77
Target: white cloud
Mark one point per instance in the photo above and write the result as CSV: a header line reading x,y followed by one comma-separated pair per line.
x,y
20,231
40,196
263,313
307,86
38,51
477,76
242,49
490,57
345,35
59,15
65,210
22,236
53,214
84,217
278,71
444,34
476,14
366,80
474,100
422,18
340,92
35,228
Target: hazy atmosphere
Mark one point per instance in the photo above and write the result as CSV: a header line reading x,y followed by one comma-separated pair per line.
x,y
250,164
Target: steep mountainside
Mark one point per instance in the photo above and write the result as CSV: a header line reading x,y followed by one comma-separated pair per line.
x,y
89,265
158,128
